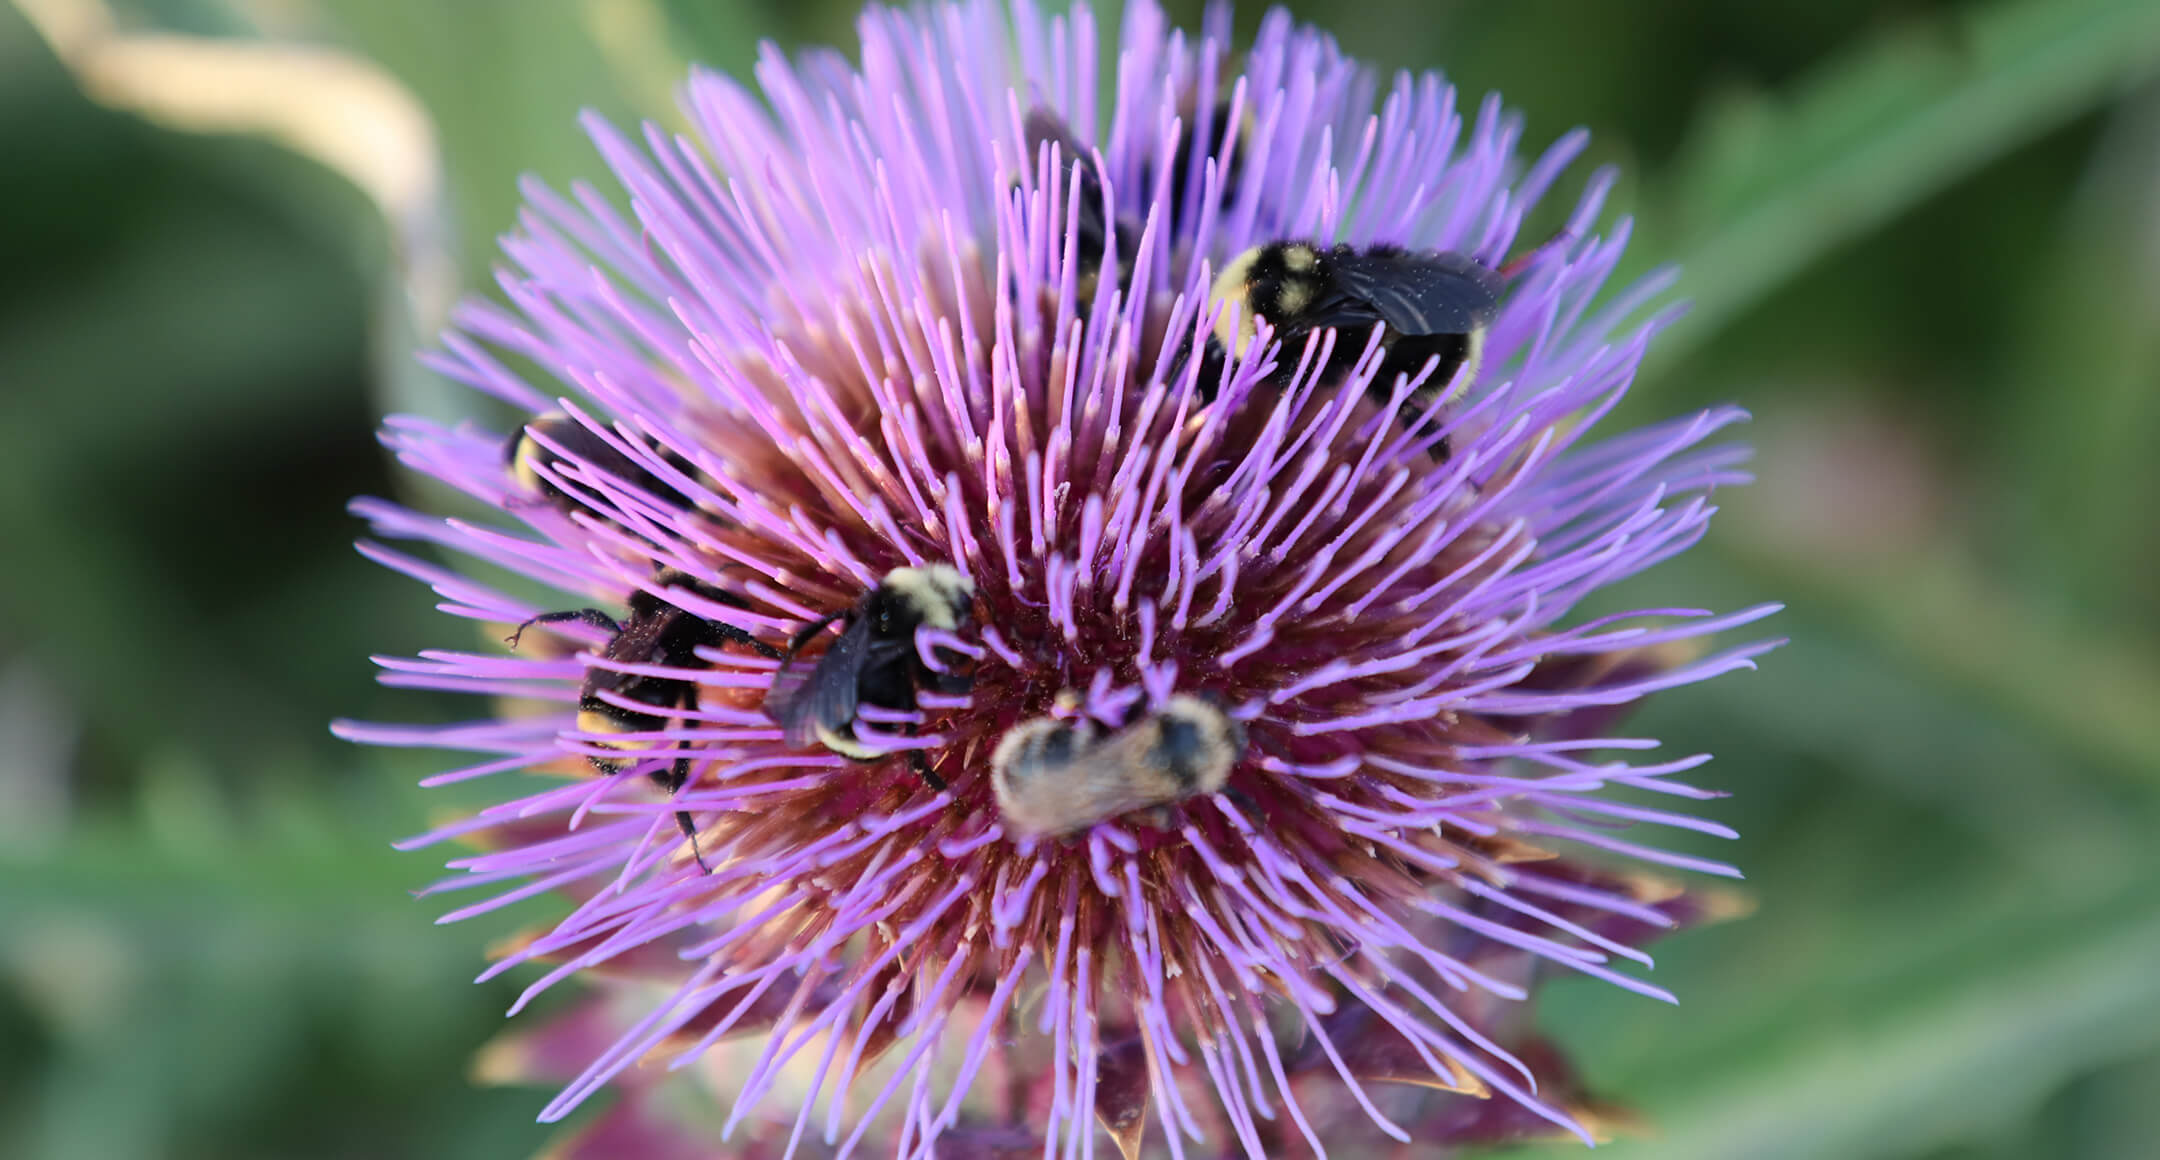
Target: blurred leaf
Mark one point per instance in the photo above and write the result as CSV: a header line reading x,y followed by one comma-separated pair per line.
x,y
722,37
504,81
1986,1038
182,328
1838,697
1772,183
2118,1112
726,37
1946,893
637,40
252,981
183,270
2090,692
2078,438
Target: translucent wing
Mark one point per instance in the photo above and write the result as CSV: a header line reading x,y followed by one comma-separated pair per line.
x,y
1415,294
806,697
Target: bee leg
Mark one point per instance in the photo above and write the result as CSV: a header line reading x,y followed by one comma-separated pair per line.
x,y
922,768
1522,261
809,631
719,632
729,634
1341,947
1426,416
1423,433
688,826
677,776
1155,818
591,616
921,765
1244,802
1440,450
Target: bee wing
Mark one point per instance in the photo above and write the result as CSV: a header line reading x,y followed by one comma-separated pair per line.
x,y
1415,294
805,698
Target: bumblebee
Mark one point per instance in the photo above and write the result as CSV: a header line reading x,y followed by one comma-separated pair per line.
x,y
1055,777
873,662
655,633
1094,231
523,453
1188,164
1430,305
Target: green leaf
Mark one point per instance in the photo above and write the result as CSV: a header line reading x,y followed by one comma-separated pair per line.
x,y
2090,692
504,81
205,987
1770,184
2080,417
1984,1041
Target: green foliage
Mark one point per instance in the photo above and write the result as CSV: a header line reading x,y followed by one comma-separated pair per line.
x,y
1769,183
1921,249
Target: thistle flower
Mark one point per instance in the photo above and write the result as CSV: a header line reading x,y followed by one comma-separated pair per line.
x,y
871,321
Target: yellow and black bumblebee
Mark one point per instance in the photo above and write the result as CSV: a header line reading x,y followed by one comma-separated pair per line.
x,y
874,662
1434,305
656,632
524,453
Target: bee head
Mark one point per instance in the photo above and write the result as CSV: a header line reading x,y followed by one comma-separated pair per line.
x,y
937,594
1197,743
1278,281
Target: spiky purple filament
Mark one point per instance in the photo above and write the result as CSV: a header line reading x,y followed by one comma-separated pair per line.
x,y
867,340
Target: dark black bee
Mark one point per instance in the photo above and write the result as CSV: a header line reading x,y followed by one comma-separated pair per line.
x,y
1092,229
523,454
1188,166
873,662
1094,232
655,633
1430,305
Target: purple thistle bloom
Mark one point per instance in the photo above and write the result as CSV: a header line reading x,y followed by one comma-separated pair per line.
x,y
847,329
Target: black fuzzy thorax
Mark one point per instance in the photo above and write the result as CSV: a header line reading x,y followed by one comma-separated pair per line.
x,y
894,615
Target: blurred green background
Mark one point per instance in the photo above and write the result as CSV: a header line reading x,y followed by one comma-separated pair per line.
x,y
1924,244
